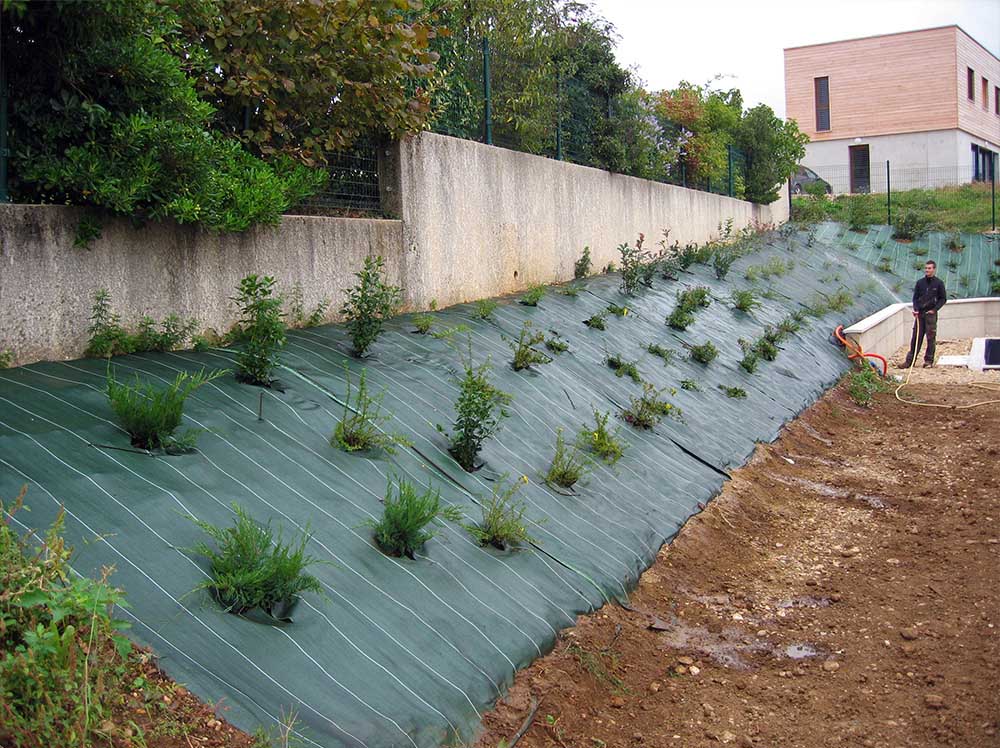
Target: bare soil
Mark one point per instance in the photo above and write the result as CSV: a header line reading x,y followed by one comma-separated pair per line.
x,y
843,590
942,374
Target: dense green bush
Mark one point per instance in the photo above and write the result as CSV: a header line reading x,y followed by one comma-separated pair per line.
x,y
479,410
261,330
402,530
369,303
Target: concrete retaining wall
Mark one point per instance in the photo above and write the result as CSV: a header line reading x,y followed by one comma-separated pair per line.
x,y
472,221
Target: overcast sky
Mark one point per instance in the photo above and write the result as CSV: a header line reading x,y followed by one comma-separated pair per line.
x,y
667,41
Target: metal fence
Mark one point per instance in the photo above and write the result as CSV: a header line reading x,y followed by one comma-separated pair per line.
x,y
352,186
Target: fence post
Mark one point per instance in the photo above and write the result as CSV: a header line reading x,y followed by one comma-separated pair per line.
x,y
729,152
888,195
559,152
487,94
4,197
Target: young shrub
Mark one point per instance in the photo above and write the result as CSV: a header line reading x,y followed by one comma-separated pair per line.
x,y
919,251
775,268
107,336
503,524
722,259
570,290
423,323
670,268
858,213
261,330
687,255
884,265
766,348
596,322
479,410
790,324
680,318
705,353
623,367
485,308
609,268
646,410
369,304
842,300
863,384
581,268
734,392
533,296
361,427
667,354
695,298
172,334
750,356
601,440
250,568
618,311
524,354
568,466
952,264
632,259
403,528
690,385
908,225
556,344
745,300
151,415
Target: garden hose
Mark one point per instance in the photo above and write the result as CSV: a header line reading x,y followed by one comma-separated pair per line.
x,y
856,351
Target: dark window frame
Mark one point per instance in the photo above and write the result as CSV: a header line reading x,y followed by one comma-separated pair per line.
x,y
996,99
970,82
822,106
986,93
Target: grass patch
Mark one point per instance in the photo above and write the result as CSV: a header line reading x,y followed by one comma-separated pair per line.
x,y
863,384
361,427
667,354
744,300
622,367
503,524
569,464
407,514
533,296
601,440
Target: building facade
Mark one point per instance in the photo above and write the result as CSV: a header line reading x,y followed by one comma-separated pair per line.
x,y
927,101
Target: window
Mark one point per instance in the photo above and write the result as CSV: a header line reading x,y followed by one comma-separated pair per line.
x,y
822,104
996,99
986,94
971,84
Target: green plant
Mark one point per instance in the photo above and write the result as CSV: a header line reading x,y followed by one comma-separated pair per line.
x,y
909,225
751,356
918,265
403,529
667,354
884,265
601,440
646,410
953,264
775,267
745,300
369,304
688,301
570,290
61,653
790,324
596,322
569,464
752,274
479,410
533,296
485,308
610,267
524,353
632,259
722,259
963,281
859,212
766,348
690,384
423,323
919,251
623,367
840,300
88,230
150,414
297,311
680,318
955,243
171,335
863,383
361,427
705,353
107,336
581,268
251,568
556,344
503,524
733,392
618,311
6,359
261,330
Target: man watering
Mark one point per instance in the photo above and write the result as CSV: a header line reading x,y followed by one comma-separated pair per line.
x,y
928,298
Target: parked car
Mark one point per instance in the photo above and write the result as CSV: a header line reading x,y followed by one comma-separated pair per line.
x,y
805,177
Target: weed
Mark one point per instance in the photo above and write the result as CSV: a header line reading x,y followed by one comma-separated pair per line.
x,y
297,310
107,337
775,267
600,665
751,356
251,569
6,359
690,384
737,393
722,259
556,344
533,296
884,265
361,427
752,274
667,354
790,324
570,290
910,224
618,311
705,353
448,334
568,466
524,354
503,524
369,303
955,243
596,322
863,383
623,367
632,259
646,410
745,300
479,410
171,335
403,528
840,301
485,308
150,414
261,330
601,440
581,268
423,323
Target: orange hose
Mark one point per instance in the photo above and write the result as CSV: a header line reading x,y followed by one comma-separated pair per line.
x,y
857,351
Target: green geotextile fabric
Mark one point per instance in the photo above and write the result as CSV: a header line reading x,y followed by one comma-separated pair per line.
x,y
967,274
403,652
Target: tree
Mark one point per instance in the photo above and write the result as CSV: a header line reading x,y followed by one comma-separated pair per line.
x,y
773,147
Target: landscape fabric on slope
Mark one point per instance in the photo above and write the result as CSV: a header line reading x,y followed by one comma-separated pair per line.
x,y
400,652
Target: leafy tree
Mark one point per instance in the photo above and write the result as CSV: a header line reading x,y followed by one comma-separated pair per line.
x,y
773,147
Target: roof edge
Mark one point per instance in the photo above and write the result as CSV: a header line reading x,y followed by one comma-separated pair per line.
x,y
898,33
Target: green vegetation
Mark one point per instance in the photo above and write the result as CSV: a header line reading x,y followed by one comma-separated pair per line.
x,y
485,308
297,310
251,568
601,440
861,212
503,524
688,302
623,367
63,656
369,304
955,243
736,393
6,359
556,344
884,265
636,266
596,322
618,311
108,337
690,385
261,330
570,290
422,323
744,300
525,355
705,353
863,383
911,224
581,268
751,356
533,296
722,259
667,354
151,414
569,464
361,427
646,410
479,411
403,528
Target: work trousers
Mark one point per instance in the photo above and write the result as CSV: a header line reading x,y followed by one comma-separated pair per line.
x,y
927,327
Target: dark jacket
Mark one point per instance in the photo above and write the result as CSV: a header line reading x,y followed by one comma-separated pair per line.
x,y
929,294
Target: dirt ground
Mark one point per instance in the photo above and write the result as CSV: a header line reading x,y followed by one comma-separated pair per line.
x,y
942,374
843,590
